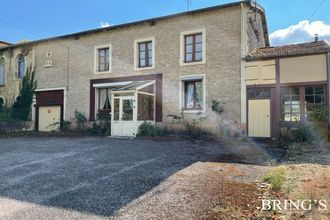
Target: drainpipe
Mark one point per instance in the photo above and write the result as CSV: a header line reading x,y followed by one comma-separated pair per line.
x,y
68,69
328,88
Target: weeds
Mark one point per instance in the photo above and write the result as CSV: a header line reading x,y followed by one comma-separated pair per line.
x,y
149,130
275,177
189,128
81,119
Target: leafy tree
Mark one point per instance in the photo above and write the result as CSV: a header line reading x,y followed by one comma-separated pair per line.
x,y
22,106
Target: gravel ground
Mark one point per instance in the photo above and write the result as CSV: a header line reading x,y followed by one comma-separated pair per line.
x,y
89,178
200,191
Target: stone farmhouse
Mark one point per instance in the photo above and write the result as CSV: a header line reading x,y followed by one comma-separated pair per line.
x,y
173,65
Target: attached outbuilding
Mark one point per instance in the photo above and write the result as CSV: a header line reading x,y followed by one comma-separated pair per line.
x,y
284,84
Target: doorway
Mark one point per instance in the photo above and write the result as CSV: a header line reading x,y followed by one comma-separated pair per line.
x,y
259,112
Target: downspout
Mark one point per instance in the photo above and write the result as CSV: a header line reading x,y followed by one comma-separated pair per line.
x,y
328,88
68,69
242,73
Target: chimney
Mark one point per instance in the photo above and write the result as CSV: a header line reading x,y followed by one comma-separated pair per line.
x,y
316,37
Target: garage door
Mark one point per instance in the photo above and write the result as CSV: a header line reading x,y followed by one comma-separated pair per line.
x,y
49,118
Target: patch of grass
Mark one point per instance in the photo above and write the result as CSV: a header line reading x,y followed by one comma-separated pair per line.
x,y
275,177
290,188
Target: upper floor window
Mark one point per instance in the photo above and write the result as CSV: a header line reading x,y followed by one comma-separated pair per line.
x,y
2,71
192,49
103,56
102,59
144,53
20,66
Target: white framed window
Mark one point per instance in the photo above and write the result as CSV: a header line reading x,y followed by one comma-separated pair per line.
x,y
2,71
193,47
102,59
20,66
144,54
192,93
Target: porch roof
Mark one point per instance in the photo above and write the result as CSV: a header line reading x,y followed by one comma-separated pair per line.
x,y
134,86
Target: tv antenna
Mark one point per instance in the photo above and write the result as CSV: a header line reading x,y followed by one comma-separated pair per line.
x,y
188,2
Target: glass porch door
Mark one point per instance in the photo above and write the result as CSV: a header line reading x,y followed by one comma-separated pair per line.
x,y
123,116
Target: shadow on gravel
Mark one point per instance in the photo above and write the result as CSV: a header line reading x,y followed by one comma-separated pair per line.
x,y
93,175
101,175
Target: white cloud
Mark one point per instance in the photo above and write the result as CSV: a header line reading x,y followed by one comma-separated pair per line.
x,y
304,31
104,24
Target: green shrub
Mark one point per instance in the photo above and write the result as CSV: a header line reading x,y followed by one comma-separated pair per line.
x,y
81,119
146,129
22,105
318,114
5,115
103,116
100,127
216,107
305,133
275,177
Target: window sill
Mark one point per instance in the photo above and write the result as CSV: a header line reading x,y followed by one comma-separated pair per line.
x,y
102,72
193,111
144,68
192,63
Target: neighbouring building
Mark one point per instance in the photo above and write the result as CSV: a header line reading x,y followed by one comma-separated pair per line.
x,y
172,65
4,44
12,69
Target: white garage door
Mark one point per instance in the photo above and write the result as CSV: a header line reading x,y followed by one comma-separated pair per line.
x,y
49,118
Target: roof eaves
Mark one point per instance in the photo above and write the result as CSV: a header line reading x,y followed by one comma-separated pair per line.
x,y
97,30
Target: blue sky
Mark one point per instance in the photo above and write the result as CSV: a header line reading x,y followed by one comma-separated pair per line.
x,y
52,18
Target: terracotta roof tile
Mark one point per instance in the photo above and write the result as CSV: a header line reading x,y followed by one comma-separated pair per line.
x,y
315,47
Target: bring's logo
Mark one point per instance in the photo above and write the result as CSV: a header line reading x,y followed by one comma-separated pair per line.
x,y
293,205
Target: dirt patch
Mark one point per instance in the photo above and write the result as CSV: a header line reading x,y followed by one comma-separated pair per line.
x,y
230,191
201,191
308,182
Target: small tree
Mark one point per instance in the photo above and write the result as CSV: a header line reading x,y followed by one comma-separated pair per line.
x,y
22,105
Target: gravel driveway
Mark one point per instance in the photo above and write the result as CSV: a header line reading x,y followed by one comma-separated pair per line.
x,y
91,178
